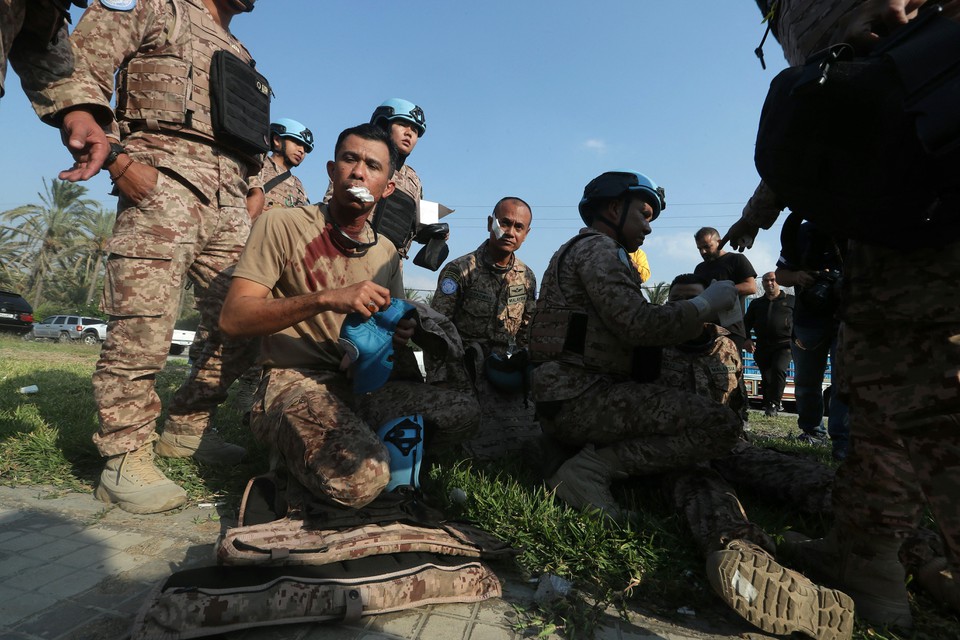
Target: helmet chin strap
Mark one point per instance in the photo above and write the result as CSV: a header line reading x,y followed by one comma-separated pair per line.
x,y
618,228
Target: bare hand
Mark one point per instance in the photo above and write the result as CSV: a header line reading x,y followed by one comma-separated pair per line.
x,y
137,181
86,142
365,298
875,19
805,279
406,327
741,235
748,346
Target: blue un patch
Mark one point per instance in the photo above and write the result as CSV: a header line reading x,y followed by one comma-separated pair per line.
x,y
119,5
448,286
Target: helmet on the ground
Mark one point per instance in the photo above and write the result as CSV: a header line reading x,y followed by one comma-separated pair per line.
x,y
614,184
399,109
287,128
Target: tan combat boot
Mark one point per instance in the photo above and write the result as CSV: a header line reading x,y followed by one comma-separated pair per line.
x,y
776,599
209,448
865,567
132,482
583,482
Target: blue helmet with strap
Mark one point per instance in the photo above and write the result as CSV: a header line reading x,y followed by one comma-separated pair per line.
x,y
399,109
614,184
369,344
287,128
403,438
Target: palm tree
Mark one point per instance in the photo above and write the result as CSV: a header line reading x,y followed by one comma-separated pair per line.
x,y
658,293
97,229
48,230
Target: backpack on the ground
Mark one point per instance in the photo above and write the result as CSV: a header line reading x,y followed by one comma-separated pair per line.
x,y
869,147
318,562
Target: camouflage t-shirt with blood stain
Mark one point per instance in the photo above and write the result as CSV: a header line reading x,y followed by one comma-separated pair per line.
x,y
294,252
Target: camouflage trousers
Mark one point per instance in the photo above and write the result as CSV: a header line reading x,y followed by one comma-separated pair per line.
x,y
327,436
904,385
653,429
169,236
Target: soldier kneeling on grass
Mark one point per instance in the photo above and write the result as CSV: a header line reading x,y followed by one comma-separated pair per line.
x,y
598,341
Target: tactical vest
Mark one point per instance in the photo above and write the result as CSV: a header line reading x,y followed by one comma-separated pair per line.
x,y
396,216
168,89
575,334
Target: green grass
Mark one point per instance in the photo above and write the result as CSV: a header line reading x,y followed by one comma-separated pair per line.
x,y
651,564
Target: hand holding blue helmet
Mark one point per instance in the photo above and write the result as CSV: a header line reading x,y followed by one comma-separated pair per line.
x,y
368,343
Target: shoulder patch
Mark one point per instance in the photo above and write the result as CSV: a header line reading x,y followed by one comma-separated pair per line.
x,y
119,5
448,286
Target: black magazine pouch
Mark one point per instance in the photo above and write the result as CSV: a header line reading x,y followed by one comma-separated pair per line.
x,y
868,147
240,104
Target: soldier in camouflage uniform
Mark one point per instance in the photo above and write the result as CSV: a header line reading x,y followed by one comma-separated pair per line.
x,y
598,341
398,216
182,214
290,142
303,270
490,296
34,37
899,368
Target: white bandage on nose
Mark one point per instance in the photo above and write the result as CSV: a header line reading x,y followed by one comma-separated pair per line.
x,y
495,227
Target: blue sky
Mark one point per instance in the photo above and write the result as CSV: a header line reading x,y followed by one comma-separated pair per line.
x,y
531,99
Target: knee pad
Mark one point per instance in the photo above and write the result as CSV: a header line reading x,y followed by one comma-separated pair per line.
x,y
403,438
369,344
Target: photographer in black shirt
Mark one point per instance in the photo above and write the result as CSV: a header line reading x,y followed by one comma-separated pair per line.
x,y
811,262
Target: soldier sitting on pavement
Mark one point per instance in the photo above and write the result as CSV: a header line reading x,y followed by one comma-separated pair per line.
x,y
490,295
598,341
302,272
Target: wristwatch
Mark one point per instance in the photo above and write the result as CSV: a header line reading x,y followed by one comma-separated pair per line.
x,y
115,151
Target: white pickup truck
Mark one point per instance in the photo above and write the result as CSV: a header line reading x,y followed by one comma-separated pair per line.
x,y
181,341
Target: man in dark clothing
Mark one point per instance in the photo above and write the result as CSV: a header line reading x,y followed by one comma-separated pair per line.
x,y
719,265
810,261
770,318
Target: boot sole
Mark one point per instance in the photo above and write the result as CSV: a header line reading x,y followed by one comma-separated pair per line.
x,y
767,596
103,495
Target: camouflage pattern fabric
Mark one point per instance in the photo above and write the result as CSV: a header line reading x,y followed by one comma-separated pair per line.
x,y
654,428
288,193
712,369
507,422
157,244
105,41
488,304
327,435
899,357
780,478
33,37
205,602
904,412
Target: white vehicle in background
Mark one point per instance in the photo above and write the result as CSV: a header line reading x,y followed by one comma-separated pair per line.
x,y
181,341
66,328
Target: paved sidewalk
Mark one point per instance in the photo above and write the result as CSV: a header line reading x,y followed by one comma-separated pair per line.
x,y
74,568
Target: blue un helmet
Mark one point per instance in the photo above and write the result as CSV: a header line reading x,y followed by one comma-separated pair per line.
x,y
399,109
614,184
287,128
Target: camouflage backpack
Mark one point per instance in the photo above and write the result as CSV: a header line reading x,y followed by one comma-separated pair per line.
x,y
322,564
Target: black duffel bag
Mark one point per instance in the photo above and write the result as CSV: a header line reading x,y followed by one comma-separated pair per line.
x,y
869,147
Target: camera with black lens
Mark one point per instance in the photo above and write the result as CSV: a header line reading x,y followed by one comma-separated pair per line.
x,y
824,294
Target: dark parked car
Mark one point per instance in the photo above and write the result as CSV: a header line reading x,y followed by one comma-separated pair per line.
x,y
16,314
